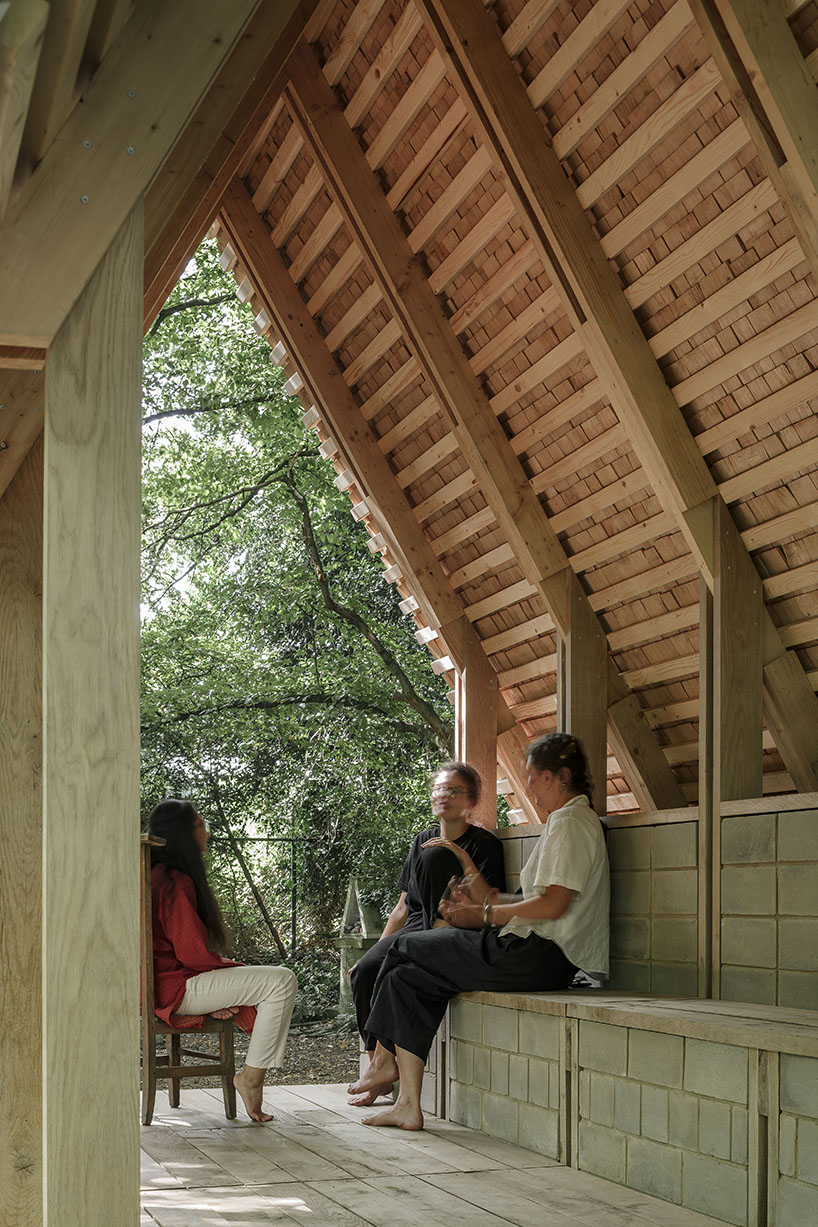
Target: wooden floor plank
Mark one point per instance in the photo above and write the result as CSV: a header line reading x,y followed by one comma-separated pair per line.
x,y
354,1158
394,1146
153,1175
389,1201
306,1204
500,1152
182,1159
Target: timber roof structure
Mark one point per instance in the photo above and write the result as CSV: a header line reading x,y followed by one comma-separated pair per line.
x,y
543,273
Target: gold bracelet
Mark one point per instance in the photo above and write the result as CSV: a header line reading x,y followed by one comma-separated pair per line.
x,y
486,910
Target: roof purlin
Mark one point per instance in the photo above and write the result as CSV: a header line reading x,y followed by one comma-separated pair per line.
x,y
429,335
250,236
615,344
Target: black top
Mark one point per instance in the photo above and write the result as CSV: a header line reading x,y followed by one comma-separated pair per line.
x,y
425,875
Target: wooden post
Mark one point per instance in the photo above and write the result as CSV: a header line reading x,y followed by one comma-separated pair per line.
x,y
476,723
730,703
91,750
21,570
708,829
582,686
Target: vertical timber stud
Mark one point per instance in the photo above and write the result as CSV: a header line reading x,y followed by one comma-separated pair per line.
x,y
91,749
708,923
476,722
582,686
21,816
731,716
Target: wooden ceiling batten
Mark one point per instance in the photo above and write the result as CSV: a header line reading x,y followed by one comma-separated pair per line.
x,y
21,42
685,102
48,255
775,95
603,15
655,44
616,347
484,447
285,305
715,154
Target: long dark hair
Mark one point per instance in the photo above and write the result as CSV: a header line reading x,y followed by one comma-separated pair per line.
x,y
554,751
174,821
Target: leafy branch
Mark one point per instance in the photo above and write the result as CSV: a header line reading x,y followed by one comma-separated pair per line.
x,y
189,305
406,691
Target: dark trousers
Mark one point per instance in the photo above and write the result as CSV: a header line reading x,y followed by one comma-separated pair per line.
x,y
432,872
421,972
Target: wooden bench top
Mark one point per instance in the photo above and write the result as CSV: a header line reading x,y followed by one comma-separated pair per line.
x,y
748,1024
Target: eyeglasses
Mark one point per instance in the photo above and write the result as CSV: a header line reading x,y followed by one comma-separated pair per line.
x,y
443,790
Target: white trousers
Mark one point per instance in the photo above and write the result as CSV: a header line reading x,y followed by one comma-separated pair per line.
x,y
270,989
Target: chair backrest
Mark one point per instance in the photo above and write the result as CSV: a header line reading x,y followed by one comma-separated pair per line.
x,y
146,842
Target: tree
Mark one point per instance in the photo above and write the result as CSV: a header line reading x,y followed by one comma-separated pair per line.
x,y
282,688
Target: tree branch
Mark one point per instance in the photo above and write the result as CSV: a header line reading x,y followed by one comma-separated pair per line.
x,y
324,700
167,312
213,407
408,694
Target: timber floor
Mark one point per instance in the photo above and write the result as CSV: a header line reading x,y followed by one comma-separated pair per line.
x,y
316,1165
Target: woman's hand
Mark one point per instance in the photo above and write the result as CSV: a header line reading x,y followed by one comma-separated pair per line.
x,y
462,915
229,1011
466,863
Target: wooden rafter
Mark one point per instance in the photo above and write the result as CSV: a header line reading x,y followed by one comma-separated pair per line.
x,y
599,310
63,45
130,117
21,419
183,198
774,92
282,300
21,41
482,441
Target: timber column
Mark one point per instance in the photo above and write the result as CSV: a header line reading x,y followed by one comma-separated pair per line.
x,y
69,771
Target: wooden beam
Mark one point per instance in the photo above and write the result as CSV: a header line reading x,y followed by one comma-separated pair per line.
x,y
250,237
183,198
21,419
21,41
57,72
774,93
512,753
432,341
556,223
91,745
738,621
583,674
109,150
593,299
21,824
109,18
15,358
475,708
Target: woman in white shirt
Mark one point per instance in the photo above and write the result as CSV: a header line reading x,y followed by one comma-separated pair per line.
x,y
529,943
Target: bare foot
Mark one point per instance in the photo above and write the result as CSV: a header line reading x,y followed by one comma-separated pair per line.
x,y
252,1094
380,1073
365,1099
401,1116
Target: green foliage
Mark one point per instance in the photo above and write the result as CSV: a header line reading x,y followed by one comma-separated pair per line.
x,y
306,747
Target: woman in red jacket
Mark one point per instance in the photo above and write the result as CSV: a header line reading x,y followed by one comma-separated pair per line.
x,y
191,975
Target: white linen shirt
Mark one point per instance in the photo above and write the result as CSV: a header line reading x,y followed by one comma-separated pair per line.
x,y
571,853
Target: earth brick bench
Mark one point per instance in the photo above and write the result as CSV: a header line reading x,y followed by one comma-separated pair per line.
x,y
712,1105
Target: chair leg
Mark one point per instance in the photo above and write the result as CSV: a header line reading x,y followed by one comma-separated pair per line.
x,y
228,1060
148,1083
175,1055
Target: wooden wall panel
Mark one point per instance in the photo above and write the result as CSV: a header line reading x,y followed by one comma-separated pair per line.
x,y
21,571
91,766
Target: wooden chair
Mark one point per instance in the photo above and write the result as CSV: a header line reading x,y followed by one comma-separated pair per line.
x,y
169,1065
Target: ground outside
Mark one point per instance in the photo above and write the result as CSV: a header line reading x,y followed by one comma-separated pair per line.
x,y
315,1164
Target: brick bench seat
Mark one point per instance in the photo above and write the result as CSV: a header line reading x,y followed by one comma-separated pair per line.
x,y
712,1105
